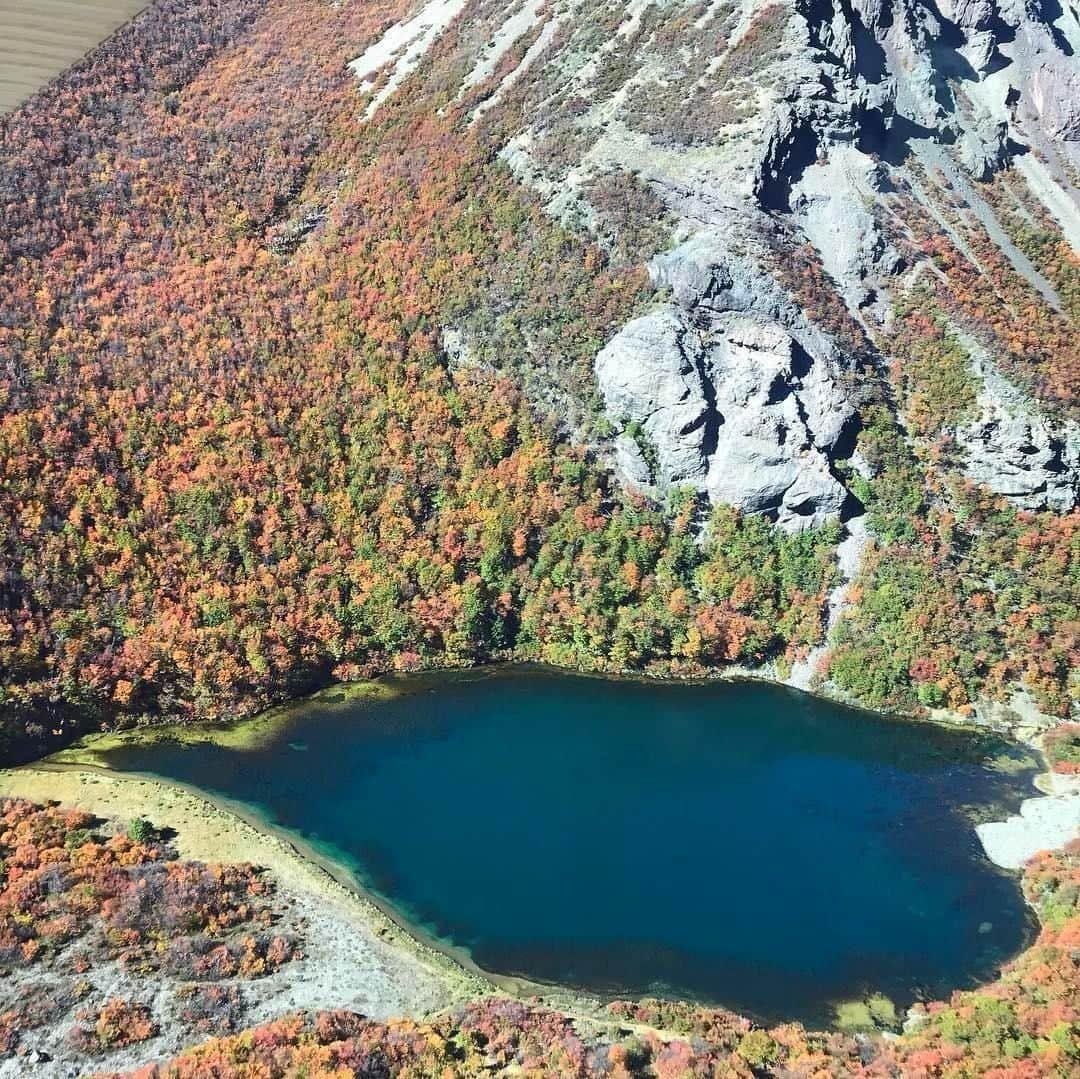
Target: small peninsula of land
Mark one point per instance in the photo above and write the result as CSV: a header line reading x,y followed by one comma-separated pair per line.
x,y
350,955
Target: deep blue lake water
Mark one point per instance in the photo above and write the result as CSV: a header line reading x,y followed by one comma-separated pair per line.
x,y
738,843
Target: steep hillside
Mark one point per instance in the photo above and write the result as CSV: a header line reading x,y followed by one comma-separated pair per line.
x,y
658,336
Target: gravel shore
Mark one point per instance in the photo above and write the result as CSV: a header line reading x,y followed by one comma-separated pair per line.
x,y
1045,822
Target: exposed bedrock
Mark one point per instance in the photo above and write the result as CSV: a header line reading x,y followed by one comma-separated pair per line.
x,y
1017,451
727,398
765,129
650,377
1055,98
1025,459
783,414
832,203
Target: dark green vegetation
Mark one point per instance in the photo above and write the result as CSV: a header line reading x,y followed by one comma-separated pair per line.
x,y
738,843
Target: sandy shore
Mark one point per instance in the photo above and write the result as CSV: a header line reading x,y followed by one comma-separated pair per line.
x,y
355,956
1044,822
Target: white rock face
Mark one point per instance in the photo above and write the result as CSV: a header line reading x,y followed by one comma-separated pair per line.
x,y
1023,457
779,414
1016,450
647,376
1055,95
731,402
630,464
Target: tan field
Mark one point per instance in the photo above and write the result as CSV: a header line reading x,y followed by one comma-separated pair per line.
x,y
41,38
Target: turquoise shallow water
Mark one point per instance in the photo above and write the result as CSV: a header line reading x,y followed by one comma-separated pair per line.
x,y
738,843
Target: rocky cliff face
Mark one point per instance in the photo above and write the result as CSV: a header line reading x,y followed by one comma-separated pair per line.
x,y
1015,450
738,394
803,165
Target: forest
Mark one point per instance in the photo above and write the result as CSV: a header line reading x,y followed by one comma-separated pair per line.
x,y
239,459
78,894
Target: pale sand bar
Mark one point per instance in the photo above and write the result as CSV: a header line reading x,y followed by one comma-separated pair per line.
x,y
355,955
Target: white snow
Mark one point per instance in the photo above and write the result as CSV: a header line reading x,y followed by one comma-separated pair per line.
x,y
405,43
520,22
533,51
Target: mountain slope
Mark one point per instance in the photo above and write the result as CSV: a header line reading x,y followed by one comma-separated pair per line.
x,y
345,337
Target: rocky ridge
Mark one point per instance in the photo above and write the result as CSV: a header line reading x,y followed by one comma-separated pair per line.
x,y
766,129
740,396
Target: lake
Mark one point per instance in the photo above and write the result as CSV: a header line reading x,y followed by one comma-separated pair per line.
x,y
738,843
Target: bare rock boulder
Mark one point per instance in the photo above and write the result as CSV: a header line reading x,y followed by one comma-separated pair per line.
x,y
736,408
648,377
1033,463
779,416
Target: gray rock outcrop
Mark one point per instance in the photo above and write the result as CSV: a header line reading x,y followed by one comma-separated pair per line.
x,y
832,202
1055,97
1025,460
730,399
779,416
1017,451
649,376
827,126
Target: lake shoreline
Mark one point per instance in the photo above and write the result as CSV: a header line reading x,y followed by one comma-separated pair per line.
x,y
1046,821
92,757
233,834
294,863
1019,719
209,829
1039,823
989,717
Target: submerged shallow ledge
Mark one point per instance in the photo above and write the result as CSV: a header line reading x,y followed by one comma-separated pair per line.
x,y
357,956
738,765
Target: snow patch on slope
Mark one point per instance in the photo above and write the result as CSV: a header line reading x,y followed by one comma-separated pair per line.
x,y
405,43
519,23
534,50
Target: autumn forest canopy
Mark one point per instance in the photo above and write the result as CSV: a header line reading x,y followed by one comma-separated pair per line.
x,y
238,459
